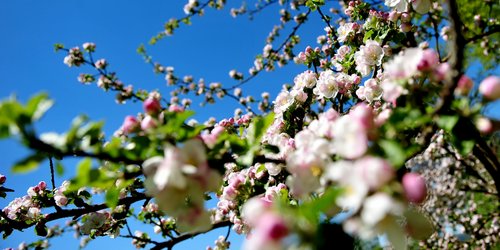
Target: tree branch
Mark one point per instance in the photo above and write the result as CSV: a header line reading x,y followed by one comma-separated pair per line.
x,y
171,243
65,213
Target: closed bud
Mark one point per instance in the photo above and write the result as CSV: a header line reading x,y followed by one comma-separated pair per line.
x,y
151,106
490,88
130,125
414,187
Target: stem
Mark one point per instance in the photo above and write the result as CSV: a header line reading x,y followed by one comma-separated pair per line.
x,y
171,243
52,180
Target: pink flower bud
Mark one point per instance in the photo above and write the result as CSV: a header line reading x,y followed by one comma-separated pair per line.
x,y
175,108
405,17
130,125
272,227
429,60
464,85
394,16
414,187
405,27
484,125
148,123
42,185
442,72
61,200
375,171
89,46
152,106
229,193
490,87
364,114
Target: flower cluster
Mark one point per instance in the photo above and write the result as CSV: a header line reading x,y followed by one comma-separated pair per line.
x,y
28,207
74,57
179,180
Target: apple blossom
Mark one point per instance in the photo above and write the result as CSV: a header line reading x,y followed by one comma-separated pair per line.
x,y
370,54
182,173
152,106
414,187
327,85
464,86
490,87
130,125
399,5
484,125
148,123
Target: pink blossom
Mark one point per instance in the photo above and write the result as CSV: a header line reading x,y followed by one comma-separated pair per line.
x,y
89,46
371,91
429,60
42,185
148,123
346,31
490,87
350,138
405,27
404,65
253,209
378,206
283,101
61,200
272,227
442,72
484,125
101,64
327,85
152,106
175,108
376,172
305,79
399,5
299,95
369,55
130,125
382,117
414,187
464,86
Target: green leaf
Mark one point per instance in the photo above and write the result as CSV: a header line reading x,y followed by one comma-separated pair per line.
x,y
37,106
419,226
323,204
466,147
258,127
58,46
4,131
394,152
112,196
28,164
82,177
447,122
10,110
59,168
113,147
368,35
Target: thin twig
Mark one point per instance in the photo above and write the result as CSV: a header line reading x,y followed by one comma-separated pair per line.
x,y
171,243
52,178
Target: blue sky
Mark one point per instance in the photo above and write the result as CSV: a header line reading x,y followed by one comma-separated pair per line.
x,y
213,45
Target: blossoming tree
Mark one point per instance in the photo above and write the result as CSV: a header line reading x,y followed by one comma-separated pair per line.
x,y
382,135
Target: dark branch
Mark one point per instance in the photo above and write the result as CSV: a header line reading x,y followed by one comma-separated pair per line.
x,y
171,243
77,212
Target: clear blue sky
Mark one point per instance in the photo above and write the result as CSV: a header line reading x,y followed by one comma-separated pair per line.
x,y
213,45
